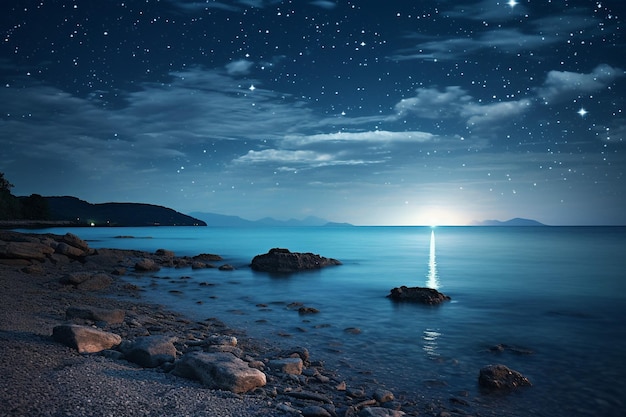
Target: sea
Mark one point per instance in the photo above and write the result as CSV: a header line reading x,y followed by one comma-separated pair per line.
x,y
548,302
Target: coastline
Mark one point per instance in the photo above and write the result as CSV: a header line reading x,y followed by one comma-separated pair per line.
x,y
61,381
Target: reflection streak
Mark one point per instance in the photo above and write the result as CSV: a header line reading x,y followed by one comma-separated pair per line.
x,y
433,278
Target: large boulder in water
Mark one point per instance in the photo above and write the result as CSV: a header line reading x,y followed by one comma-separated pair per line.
x,y
284,261
498,377
418,294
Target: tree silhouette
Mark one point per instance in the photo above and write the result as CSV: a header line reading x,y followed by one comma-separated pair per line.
x,y
5,185
34,207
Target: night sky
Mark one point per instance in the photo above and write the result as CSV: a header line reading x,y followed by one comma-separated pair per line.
x,y
390,112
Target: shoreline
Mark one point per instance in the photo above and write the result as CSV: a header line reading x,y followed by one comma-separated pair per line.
x,y
59,380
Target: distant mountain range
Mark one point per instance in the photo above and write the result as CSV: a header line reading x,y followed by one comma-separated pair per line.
x,y
513,222
222,220
80,212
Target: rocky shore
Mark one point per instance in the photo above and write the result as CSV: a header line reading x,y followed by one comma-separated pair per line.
x,y
75,339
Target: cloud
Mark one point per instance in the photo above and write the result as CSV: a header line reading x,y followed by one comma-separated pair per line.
x,y
488,114
192,5
375,136
432,103
487,10
324,4
506,40
161,124
523,33
239,67
203,5
453,102
562,85
300,158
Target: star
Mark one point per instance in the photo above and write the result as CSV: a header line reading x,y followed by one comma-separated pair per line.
x,y
582,112
252,87
512,3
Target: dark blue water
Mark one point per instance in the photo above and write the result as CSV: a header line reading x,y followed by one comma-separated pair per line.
x,y
559,292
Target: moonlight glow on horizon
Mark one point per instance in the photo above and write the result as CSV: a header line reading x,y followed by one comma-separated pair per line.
x,y
394,112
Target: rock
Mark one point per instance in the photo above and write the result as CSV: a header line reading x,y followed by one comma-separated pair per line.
x,y
85,339
380,412
146,265
383,395
222,340
207,257
88,281
220,371
96,282
499,377
164,253
310,396
226,267
75,278
418,294
297,351
73,240
287,409
315,411
292,366
352,330
34,269
25,250
199,265
69,250
501,347
283,261
308,310
151,351
115,316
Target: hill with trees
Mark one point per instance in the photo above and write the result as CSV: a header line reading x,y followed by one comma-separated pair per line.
x,y
36,210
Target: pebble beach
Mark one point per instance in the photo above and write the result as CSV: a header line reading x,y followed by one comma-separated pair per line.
x,y
45,377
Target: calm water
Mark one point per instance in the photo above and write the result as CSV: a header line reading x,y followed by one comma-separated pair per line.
x,y
558,291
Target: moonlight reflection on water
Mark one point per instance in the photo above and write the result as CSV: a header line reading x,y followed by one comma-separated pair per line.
x,y
433,278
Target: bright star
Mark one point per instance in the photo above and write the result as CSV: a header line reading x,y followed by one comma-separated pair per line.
x,y
252,87
582,112
512,3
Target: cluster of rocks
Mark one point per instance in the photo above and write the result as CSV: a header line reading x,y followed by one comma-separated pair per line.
x,y
33,251
212,354
279,260
207,351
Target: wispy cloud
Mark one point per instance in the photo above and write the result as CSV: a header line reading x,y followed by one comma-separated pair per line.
x,y
505,40
488,114
297,159
517,31
192,5
560,85
239,67
431,103
375,136
229,5
487,10
324,4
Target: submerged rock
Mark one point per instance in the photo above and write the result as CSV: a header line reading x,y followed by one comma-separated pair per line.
x,y
497,377
284,261
418,294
